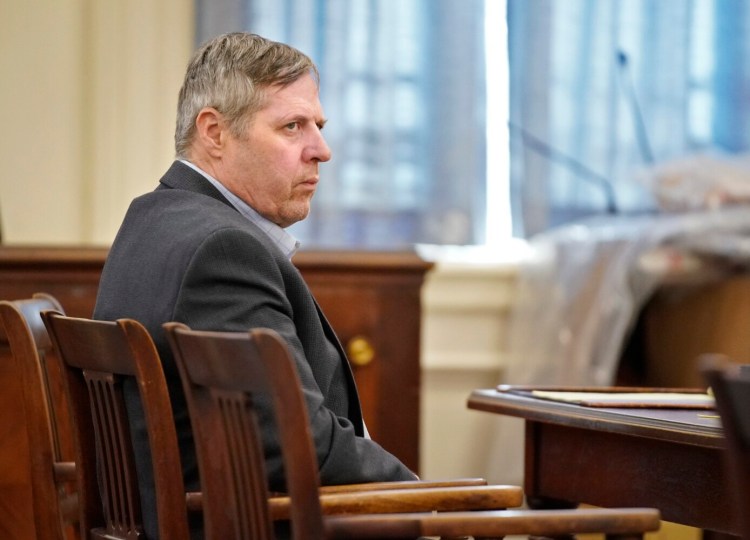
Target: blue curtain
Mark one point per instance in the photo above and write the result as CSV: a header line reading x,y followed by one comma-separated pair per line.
x,y
599,89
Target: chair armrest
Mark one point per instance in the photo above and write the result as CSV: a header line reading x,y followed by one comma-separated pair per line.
x,y
406,496
439,499
625,522
406,484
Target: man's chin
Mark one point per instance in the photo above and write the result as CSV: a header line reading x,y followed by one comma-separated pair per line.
x,y
294,216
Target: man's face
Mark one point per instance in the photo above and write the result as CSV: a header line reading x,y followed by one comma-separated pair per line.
x,y
273,166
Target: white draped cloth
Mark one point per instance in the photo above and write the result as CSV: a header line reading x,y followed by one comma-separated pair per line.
x,y
581,291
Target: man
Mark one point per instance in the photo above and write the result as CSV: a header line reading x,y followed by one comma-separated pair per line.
x,y
208,247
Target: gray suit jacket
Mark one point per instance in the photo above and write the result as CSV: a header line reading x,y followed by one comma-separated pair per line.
x,y
183,253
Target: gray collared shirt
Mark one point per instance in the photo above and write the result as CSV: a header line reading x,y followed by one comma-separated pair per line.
x,y
287,243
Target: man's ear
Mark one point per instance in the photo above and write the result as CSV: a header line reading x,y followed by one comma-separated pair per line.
x,y
211,131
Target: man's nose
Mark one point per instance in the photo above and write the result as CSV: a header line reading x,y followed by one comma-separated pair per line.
x,y
325,151
318,149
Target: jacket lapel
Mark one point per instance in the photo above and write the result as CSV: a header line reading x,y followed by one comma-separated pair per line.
x,y
355,411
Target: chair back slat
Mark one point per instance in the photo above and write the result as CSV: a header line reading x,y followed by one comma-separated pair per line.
x,y
46,418
224,375
100,358
119,484
242,449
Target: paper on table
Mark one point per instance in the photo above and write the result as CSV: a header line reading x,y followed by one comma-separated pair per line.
x,y
630,399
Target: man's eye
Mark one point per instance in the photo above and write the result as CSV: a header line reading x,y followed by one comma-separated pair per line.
x,y
292,126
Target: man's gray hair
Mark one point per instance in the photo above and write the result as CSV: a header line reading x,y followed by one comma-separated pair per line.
x,y
231,73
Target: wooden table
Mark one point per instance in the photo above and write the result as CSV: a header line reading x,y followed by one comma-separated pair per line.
x,y
670,459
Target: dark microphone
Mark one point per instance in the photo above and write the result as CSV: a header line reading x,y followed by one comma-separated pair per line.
x,y
640,127
573,164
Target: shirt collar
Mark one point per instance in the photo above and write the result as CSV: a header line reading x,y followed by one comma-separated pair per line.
x,y
285,241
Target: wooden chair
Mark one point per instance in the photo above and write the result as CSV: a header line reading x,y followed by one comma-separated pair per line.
x,y
99,355
222,374
730,384
54,498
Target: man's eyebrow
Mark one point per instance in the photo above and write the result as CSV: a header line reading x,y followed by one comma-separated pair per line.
x,y
302,118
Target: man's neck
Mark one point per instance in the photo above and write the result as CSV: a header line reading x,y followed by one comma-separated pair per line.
x,y
285,241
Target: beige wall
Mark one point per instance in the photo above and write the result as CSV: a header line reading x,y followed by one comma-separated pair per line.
x,y
87,108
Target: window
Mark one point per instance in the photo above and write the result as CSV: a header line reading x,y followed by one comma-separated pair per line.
x,y
441,121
